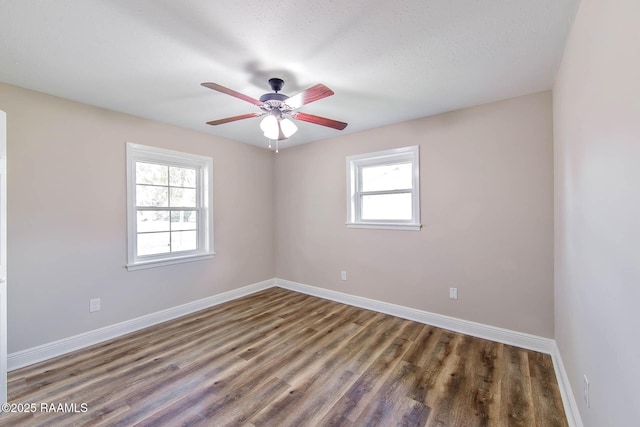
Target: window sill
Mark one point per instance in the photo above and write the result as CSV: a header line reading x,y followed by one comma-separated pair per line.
x,y
162,262
385,226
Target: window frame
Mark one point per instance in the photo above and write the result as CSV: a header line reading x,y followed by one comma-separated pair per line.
x,y
356,163
204,204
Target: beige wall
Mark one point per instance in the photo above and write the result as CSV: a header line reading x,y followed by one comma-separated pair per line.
x,y
486,207
596,102
67,218
486,181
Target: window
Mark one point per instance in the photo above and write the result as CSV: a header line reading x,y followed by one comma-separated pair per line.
x,y
383,189
169,207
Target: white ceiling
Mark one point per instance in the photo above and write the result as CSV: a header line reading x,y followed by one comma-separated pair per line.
x,y
387,61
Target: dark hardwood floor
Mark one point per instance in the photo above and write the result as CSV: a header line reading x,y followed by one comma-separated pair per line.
x,y
281,358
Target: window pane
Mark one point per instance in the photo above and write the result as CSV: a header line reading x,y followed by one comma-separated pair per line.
x,y
148,195
153,243
184,220
388,177
387,206
183,197
184,241
149,173
153,221
182,177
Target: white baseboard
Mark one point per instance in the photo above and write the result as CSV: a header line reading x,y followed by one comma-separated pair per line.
x,y
43,352
568,399
505,336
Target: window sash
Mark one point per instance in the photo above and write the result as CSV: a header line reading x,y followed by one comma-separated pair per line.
x,y
199,213
360,200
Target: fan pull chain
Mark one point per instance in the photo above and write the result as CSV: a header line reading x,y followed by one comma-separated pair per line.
x,y
276,144
277,140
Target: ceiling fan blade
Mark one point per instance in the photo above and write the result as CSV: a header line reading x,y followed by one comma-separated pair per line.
x,y
312,94
322,121
234,118
232,92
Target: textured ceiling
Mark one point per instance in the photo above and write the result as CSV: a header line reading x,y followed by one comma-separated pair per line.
x,y
387,61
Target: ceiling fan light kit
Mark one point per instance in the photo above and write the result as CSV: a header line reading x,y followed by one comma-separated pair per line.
x,y
288,127
277,129
269,126
279,108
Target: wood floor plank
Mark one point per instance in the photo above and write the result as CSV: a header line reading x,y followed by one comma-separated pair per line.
x,y
391,405
485,383
454,404
545,393
437,348
354,401
516,402
281,358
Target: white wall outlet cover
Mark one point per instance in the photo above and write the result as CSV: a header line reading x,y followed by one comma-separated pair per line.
x,y
586,385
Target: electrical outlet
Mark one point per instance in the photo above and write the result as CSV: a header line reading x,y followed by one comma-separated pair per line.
x,y
453,293
343,275
585,386
94,305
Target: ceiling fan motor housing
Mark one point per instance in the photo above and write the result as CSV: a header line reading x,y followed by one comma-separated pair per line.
x,y
275,101
273,97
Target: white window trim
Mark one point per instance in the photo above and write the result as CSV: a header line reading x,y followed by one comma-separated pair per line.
x,y
138,152
380,158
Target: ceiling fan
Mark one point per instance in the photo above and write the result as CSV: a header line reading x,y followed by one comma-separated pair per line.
x,y
278,107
